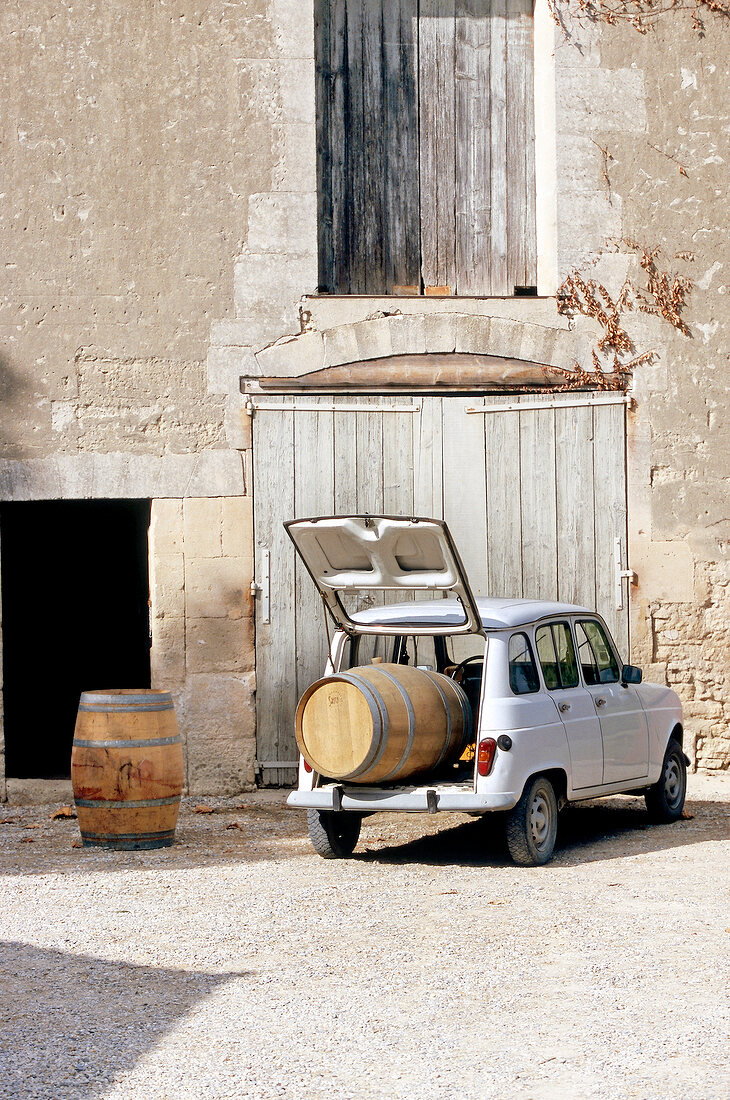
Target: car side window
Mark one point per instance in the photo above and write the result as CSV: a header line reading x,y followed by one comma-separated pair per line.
x,y
557,656
606,666
586,656
523,678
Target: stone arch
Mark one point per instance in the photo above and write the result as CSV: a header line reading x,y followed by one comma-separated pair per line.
x,y
439,349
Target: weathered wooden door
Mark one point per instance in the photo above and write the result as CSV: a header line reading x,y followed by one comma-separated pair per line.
x,y
425,145
533,490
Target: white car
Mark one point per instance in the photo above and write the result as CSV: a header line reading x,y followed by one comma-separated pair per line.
x,y
550,712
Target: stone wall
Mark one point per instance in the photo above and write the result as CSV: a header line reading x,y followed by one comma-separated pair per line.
x,y
202,634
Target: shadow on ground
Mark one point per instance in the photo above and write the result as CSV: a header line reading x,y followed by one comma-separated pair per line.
x,y
587,832
71,1023
601,830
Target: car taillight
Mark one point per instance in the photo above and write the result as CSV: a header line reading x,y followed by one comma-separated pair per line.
x,y
485,755
307,766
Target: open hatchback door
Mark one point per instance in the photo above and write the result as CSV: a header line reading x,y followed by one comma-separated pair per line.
x,y
349,555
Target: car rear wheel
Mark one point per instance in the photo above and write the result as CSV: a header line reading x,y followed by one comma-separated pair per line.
x,y
334,834
665,800
532,825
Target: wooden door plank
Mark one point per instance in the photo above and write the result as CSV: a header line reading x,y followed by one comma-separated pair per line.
x,y
345,461
538,504
339,148
504,519
401,249
473,146
376,136
465,487
428,460
575,505
520,160
275,642
325,90
498,277
609,463
398,460
437,142
314,496
355,138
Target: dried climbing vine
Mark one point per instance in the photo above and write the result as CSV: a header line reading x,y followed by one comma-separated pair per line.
x,y
642,15
661,293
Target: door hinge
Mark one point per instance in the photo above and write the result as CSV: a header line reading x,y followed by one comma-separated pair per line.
x,y
621,575
262,587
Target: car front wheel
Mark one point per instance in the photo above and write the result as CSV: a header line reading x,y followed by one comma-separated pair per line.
x,y
665,800
533,824
334,834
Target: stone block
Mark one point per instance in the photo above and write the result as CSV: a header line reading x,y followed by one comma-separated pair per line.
x,y
219,645
218,716
214,474
202,527
281,221
439,330
294,23
167,653
340,346
166,528
665,570
167,585
472,334
537,344
217,587
407,335
237,530
290,358
237,422
373,338
226,367
505,337
38,792
295,146
276,278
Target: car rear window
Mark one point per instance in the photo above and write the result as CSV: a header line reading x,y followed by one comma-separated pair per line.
x,y
523,678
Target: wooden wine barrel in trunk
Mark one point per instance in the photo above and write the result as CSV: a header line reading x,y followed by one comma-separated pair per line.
x,y
382,723
127,769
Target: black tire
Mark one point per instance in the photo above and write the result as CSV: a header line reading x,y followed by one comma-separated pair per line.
x,y
532,825
665,800
333,834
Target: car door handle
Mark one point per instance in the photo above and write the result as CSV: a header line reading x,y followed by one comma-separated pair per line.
x,y
600,702
563,707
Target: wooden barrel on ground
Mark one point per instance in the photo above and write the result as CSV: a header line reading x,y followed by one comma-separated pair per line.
x,y
127,769
382,723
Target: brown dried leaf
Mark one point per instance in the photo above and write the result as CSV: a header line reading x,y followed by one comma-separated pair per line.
x,y
234,825
77,844
203,809
33,826
687,816
8,821
27,840
65,813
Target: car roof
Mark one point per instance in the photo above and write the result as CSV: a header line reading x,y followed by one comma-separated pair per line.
x,y
496,614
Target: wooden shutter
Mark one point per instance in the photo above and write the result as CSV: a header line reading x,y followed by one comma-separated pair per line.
x,y
477,145
426,145
367,138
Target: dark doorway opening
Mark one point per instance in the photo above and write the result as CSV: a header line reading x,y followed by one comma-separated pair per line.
x,y
75,617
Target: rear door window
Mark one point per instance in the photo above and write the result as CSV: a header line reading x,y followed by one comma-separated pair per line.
x,y
556,653
523,678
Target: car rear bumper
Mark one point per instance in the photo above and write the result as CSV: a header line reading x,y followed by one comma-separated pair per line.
x,y
436,799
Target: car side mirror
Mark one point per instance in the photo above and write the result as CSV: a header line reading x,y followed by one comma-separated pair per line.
x,y
630,674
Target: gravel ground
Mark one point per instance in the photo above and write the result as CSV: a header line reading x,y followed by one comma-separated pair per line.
x,y
239,964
